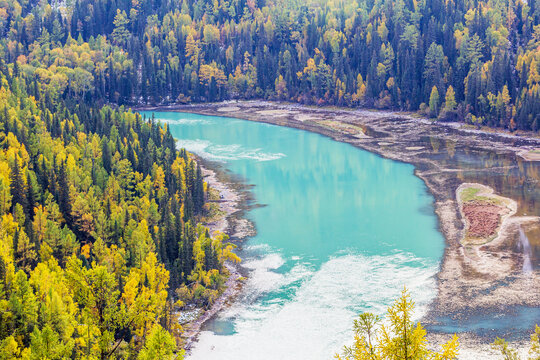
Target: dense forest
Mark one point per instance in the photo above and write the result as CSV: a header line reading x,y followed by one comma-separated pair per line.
x,y
100,240
476,61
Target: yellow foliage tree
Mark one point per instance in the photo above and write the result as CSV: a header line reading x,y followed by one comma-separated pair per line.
x,y
400,339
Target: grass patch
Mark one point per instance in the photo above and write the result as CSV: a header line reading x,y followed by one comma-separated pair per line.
x,y
213,212
471,194
213,194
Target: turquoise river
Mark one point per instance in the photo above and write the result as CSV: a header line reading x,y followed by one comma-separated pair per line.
x,y
341,231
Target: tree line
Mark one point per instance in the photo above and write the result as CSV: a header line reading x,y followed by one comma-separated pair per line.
x,y
468,60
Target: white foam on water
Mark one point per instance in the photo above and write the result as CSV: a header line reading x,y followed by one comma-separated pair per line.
x,y
307,312
186,121
207,150
195,146
263,277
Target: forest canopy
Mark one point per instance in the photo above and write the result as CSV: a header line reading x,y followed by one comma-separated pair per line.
x,y
99,229
475,61
100,213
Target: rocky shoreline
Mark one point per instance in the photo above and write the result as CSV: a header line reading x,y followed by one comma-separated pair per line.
x,y
463,284
230,221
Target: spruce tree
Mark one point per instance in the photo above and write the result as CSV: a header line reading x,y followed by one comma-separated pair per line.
x,y
18,188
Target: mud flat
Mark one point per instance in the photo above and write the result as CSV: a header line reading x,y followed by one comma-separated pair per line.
x,y
480,272
483,271
530,155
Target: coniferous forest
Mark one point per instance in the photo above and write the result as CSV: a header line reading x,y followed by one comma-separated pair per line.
x,y
98,228
100,214
473,61
100,239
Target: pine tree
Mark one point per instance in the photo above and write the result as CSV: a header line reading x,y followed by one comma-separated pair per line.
x,y
18,188
32,195
434,102
5,196
450,99
25,251
64,200
23,305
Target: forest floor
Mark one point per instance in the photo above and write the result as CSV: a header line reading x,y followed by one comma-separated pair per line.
x,y
473,278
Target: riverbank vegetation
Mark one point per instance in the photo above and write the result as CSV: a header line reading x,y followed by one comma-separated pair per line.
x,y
98,227
509,353
398,337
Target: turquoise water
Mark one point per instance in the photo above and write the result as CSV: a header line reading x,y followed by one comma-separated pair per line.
x,y
342,231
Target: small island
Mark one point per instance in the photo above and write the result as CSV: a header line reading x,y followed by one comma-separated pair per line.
x,y
484,213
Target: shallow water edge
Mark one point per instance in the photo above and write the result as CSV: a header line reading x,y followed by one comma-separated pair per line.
x,y
234,201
